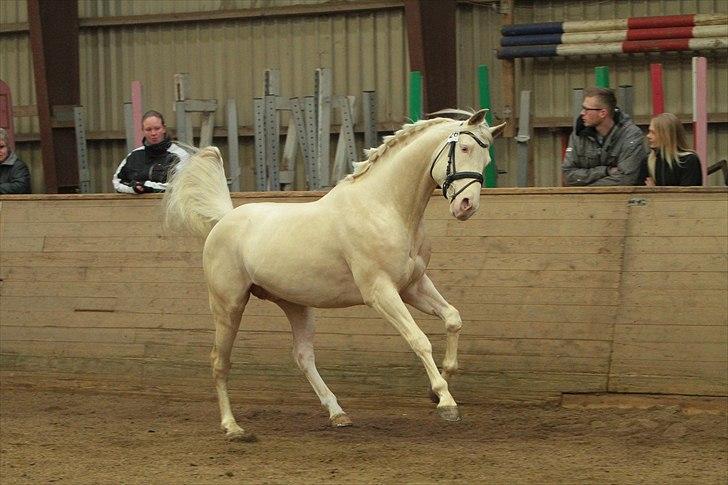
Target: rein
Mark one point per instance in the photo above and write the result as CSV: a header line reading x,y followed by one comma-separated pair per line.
x,y
451,173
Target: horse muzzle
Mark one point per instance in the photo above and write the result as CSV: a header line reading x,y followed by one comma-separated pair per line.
x,y
463,207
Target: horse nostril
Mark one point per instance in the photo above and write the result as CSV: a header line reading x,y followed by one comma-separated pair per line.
x,y
465,204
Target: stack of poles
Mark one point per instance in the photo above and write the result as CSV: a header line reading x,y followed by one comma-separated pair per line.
x,y
630,35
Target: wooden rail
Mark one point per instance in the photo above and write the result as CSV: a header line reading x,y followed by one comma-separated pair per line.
x,y
561,290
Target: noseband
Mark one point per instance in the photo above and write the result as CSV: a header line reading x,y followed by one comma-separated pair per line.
x,y
451,173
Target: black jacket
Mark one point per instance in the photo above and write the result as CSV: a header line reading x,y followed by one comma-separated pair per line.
x,y
145,169
686,172
14,176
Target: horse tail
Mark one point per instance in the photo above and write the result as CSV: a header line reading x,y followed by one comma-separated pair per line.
x,y
197,195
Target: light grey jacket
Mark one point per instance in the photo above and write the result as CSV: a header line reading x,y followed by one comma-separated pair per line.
x,y
587,161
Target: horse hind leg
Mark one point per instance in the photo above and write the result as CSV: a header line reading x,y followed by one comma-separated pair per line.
x,y
302,325
227,311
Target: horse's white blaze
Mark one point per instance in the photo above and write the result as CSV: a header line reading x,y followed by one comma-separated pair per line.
x,y
363,242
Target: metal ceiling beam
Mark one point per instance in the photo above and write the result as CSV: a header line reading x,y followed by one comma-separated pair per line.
x,y
431,37
54,43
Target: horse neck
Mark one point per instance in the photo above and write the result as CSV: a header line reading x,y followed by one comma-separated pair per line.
x,y
404,182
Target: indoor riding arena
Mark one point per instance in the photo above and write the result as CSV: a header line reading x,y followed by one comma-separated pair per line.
x,y
594,338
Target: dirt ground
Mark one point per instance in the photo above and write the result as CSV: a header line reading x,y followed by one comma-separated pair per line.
x,y
87,437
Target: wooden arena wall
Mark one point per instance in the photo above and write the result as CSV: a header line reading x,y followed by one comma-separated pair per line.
x,y
560,290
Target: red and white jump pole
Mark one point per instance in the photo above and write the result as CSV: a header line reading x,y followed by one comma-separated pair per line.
x,y
700,112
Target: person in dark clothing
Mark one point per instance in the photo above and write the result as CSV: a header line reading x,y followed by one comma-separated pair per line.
x,y
14,173
606,147
145,169
670,161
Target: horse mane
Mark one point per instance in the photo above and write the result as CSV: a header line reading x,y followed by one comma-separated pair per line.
x,y
407,131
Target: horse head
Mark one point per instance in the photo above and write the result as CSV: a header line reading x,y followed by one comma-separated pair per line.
x,y
458,165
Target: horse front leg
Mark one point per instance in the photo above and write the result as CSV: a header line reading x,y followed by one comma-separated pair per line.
x,y
303,327
424,296
385,299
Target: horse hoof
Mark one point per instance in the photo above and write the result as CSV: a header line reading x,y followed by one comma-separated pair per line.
x,y
340,421
433,396
241,436
449,413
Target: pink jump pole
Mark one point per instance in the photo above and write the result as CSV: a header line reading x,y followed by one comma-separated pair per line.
x,y
6,113
700,112
658,94
136,109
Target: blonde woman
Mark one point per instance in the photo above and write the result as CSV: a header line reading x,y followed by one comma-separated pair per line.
x,y
670,161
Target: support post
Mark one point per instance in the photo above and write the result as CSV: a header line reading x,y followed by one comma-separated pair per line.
x,y
206,130
369,113
233,145
286,175
6,113
577,98
54,44
490,174
508,77
323,93
84,175
184,124
182,128
658,95
625,95
137,107
524,118
302,135
312,168
601,75
129,127
259,127
346,146
700,112
415,96
272,127
434,56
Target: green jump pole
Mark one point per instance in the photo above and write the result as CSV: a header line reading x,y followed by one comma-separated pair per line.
x,y
415,96
490,174
601,74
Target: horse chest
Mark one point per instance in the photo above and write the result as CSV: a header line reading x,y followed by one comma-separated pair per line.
x,y
416,263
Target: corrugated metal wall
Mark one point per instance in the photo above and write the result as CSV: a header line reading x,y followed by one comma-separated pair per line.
x,y
365,50
552,80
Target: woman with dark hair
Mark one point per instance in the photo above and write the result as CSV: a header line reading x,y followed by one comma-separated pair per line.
x,y
14,173
145,169
670,161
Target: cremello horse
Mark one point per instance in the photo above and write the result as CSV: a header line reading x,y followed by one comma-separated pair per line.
x,y
362,243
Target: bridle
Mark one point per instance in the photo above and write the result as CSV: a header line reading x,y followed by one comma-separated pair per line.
x,y
451,173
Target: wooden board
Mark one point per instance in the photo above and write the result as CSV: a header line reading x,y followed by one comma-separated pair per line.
x,y
560,290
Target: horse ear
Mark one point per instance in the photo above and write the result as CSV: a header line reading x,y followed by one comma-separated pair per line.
x,y
478,117
497,130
